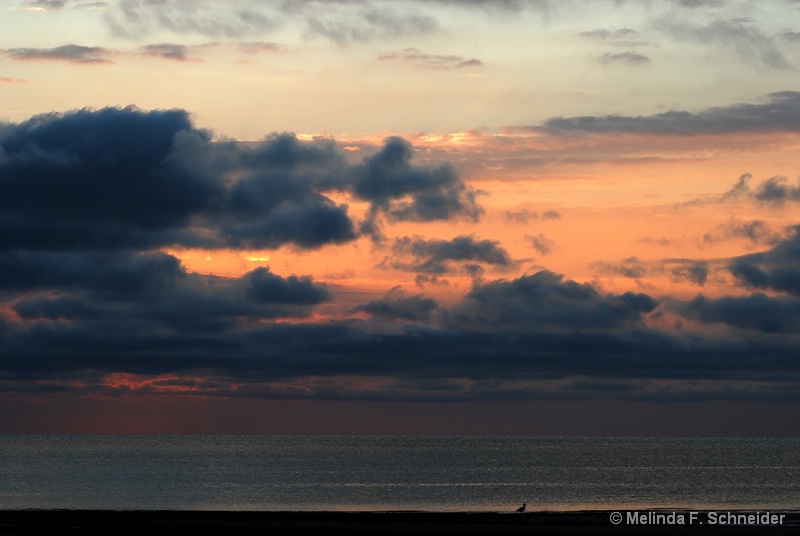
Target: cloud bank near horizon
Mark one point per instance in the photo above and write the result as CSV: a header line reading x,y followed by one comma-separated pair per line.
x,y
93,305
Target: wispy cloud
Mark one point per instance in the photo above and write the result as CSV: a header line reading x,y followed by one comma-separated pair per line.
x,y
439,257
626,58
781,113
69,53
746,40
432,61
170,51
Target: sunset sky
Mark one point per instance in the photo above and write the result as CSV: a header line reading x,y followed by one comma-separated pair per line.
x,y
539,217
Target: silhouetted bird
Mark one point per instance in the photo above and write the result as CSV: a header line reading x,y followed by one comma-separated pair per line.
x,y
522,508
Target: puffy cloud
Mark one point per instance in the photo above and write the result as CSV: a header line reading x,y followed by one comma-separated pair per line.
x,y
270,288
545,301
437,257
137,294
776,190
756,312
395,305
776,269
96,179
116,274
404,192
124,178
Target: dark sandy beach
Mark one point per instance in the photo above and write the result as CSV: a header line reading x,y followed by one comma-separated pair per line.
x,y
196,523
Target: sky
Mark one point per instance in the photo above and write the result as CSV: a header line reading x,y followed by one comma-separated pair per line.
x,y
530,217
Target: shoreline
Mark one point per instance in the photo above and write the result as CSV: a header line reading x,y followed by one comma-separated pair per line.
x,y
205,522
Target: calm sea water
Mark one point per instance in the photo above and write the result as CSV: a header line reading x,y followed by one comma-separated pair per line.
x,y
395,473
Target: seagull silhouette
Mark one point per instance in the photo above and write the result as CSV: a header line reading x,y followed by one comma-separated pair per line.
x,y
522,508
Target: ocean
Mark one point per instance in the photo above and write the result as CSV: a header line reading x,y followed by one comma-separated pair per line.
x,y
389,473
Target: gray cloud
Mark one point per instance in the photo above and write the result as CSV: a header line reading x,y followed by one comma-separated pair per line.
x,y
544,300
756,231
368,25
139,18
781,113
696,272
173,185
777,190
437,257
541,243
170,51
746,41
431,61
755,312
47,4
631,268
626,58
777,269
395,305
404,192
78,54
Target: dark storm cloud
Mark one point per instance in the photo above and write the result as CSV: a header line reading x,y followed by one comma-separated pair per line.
x,y
149,293
270,288
532,337
404,192
87,197
755,312
544,300
78,54
439,257
96,179
395,305
118,273
781,113
777,269
124,178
